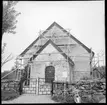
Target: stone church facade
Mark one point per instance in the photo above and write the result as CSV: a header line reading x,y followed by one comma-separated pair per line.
x,y
57,55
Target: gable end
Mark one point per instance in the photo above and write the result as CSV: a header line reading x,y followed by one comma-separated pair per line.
x,y
54,23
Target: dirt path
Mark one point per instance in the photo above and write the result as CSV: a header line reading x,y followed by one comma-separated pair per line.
x,y
31,98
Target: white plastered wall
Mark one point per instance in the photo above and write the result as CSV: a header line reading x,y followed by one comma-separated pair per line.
x,y
38,68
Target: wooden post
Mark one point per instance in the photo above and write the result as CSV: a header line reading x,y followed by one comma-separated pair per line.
x,y
52,88
65,91
71,74
67,58
94,62
98,66
98,59
91,64
37,85
103,60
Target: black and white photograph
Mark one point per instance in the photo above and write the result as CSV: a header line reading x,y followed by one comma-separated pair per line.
x,y
53,52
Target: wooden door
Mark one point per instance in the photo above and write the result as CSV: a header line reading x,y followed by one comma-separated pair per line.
x,y
49,74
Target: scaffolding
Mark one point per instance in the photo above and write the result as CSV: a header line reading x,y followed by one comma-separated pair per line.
x,y
98,66
43,39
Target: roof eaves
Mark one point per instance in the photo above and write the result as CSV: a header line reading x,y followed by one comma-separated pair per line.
x,y
62,53
22,54
89,50
35,55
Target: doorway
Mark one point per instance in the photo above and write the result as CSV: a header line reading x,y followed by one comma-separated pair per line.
x,y
49,74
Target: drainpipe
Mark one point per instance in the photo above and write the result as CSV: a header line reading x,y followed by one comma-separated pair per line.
x,y
71,73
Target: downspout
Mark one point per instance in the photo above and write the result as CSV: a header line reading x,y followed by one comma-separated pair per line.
x,y
71,73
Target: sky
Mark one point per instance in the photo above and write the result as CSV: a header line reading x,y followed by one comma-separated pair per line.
x,y
85,19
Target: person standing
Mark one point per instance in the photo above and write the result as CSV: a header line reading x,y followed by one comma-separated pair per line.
x,y
22,80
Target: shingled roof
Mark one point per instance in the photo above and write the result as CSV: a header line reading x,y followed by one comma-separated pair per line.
x,y
56,47
54,23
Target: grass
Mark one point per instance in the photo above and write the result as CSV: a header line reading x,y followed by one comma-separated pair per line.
x,y
9,95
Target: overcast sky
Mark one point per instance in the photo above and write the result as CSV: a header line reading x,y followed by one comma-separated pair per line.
x,y
84,18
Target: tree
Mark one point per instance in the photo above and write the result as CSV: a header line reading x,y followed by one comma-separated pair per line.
x,y
8,25
9,17
5,58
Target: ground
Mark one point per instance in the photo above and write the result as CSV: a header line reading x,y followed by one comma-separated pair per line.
x,y
103,100
31,98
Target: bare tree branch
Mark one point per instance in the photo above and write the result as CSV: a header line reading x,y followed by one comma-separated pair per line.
x,y
10,57
4,58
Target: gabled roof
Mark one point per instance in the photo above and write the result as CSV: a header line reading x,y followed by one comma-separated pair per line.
x,y
54,23
54,45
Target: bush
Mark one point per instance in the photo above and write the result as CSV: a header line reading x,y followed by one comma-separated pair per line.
x,y
9,95
63,99
69,99
58,98
85,78
85,90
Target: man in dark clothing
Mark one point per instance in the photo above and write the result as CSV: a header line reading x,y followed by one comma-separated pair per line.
x,y
20,87
23,78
